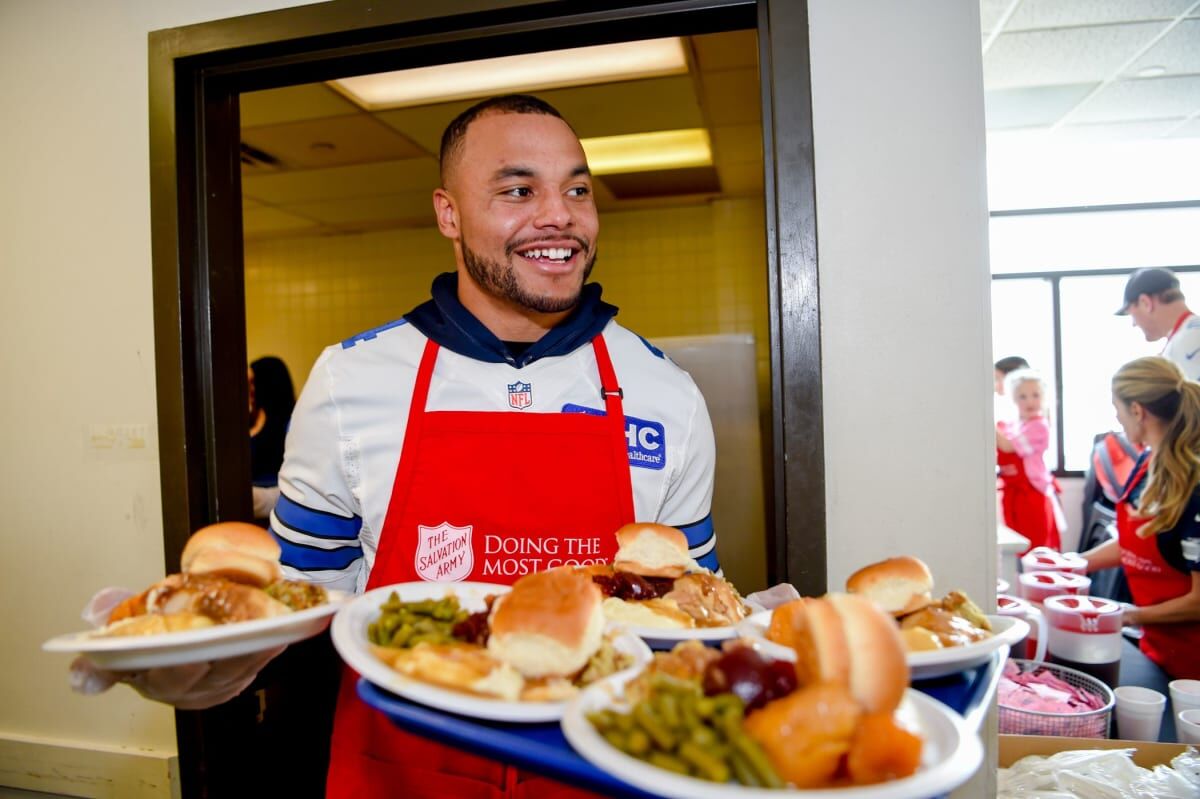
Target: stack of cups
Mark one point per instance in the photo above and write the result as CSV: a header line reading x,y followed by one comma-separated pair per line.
x,y
1139,713
1033,646
1085,634
1185,699
1045,559
1038,586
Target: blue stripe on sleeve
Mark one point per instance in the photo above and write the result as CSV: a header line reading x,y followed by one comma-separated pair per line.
x,y
305,558
699,532
709,561
317,523
367,335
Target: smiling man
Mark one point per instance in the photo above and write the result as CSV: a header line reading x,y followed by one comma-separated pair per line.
x,y
508,425
1155,304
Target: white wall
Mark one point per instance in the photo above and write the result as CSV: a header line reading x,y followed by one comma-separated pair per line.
x,y
898,114
78,350
902,243
899,143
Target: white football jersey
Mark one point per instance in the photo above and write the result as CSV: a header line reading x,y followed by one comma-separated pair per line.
x,y
348,427
1184,347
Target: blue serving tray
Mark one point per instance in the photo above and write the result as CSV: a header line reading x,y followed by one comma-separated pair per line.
x,y
543,749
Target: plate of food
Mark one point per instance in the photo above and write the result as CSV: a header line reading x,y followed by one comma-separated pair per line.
x,y
831,719
229,599
484,650
656,591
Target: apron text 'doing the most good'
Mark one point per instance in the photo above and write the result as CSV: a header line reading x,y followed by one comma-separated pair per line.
x,y
484,496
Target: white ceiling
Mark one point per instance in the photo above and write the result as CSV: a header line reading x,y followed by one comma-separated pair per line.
x,y
1068,70
339,169
1092,69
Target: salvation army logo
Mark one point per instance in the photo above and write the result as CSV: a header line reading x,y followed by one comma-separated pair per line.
x,y
520,395
444,553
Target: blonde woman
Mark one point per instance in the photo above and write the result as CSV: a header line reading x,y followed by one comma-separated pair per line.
x,y
1158,517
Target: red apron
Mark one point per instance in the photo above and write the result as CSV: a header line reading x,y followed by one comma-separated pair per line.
x,y
482,496
1028,511
1174,647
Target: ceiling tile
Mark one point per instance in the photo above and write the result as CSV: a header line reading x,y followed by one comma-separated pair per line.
x,y
331,141
272,220
1061,57
1031,14
1187,129
293,103
730,50
731,97
1178,51
351,210
1144,98
666,182
742,179
389,177
1118,131
737,143
990,12
645,105
1036,105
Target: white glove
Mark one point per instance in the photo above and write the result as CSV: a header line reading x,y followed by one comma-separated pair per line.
x,y
774,596
192,686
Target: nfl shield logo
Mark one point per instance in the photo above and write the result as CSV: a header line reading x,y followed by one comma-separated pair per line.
x,y
444,553
520,395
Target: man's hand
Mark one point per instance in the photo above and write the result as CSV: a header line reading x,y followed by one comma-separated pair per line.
x,y
192,686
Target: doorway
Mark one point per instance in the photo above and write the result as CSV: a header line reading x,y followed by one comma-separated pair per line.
x,y
198,76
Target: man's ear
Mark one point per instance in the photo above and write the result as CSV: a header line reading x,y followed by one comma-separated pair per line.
x,y
1146,302
446,213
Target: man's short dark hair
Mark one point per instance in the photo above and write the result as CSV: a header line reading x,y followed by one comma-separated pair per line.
x,y
1011,364
452,138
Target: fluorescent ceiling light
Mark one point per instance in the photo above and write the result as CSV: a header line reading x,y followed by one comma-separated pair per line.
x,y
530,72
642,152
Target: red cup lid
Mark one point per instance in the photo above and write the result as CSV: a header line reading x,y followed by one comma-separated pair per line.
x,y
1087,614
1053,579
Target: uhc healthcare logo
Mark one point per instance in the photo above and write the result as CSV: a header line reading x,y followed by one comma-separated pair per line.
x,y
520,395
646,440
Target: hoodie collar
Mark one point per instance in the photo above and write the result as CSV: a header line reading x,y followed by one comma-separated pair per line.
x,y
444,319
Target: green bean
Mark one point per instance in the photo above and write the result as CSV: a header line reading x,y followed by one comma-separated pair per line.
x,y
743,772
667,708
669,762
643,713
706,763
756,758
638,743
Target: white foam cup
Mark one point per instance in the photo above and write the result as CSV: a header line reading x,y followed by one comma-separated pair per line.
x,y
1139,712
1185,695
1187,726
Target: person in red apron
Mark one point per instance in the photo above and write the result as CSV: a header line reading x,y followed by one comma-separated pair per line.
x,y
506,425
1027,488
1158,516
1155,304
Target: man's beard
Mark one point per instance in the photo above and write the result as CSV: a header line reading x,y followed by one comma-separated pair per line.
x,y
500,280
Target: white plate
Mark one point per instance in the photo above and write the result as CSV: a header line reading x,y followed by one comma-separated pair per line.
x,y
1006,631
135,652
350,638
950,755
668,637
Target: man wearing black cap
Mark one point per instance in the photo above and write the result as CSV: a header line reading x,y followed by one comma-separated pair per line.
x,y
1155,303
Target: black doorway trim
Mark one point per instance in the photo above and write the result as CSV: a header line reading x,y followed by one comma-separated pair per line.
x,y
196,75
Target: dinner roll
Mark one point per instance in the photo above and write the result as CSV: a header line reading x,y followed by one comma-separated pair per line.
x,y
237,551
549,624
897,585
653,550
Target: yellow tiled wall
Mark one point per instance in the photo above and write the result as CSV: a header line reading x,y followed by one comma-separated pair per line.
x,y
680,271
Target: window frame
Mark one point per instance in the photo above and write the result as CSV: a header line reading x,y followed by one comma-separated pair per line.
x,y
1055,279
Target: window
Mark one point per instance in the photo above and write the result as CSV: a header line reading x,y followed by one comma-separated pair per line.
x,y
1058,277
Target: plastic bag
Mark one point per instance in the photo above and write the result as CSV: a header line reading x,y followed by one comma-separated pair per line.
x,y
1099,774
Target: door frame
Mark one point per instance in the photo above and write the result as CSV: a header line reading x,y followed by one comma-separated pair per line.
x,y
196,74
